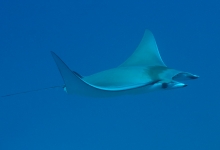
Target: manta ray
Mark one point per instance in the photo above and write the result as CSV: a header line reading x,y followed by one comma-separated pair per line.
x,y
142,72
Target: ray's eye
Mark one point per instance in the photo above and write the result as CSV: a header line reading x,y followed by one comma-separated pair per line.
x,y
164,85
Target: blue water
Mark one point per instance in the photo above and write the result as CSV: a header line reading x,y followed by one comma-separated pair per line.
x,y
91,36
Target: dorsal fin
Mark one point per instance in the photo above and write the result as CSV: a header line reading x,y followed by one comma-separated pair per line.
x,y
146,54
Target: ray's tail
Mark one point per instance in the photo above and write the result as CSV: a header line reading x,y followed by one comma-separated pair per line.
x,y
24,92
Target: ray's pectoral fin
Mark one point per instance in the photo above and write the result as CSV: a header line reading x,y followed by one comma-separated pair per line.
x,y
146,54
71,79
74,83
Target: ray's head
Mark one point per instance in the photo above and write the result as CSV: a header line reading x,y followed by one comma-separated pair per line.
x,y
168,78
185,76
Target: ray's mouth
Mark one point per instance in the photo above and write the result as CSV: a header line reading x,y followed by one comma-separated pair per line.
x,y
172,85
179,85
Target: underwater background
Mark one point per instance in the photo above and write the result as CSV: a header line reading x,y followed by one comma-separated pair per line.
x,y
94,35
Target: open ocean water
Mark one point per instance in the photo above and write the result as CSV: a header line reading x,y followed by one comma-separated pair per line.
x,y
94,35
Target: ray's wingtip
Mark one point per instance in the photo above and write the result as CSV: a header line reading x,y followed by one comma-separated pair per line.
x,y
148,31
52,52
54,55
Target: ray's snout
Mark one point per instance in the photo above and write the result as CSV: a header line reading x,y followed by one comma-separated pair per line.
x,y
185,76
194,77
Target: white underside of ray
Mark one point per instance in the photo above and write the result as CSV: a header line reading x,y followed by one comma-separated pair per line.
x,y
146,54
101,84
